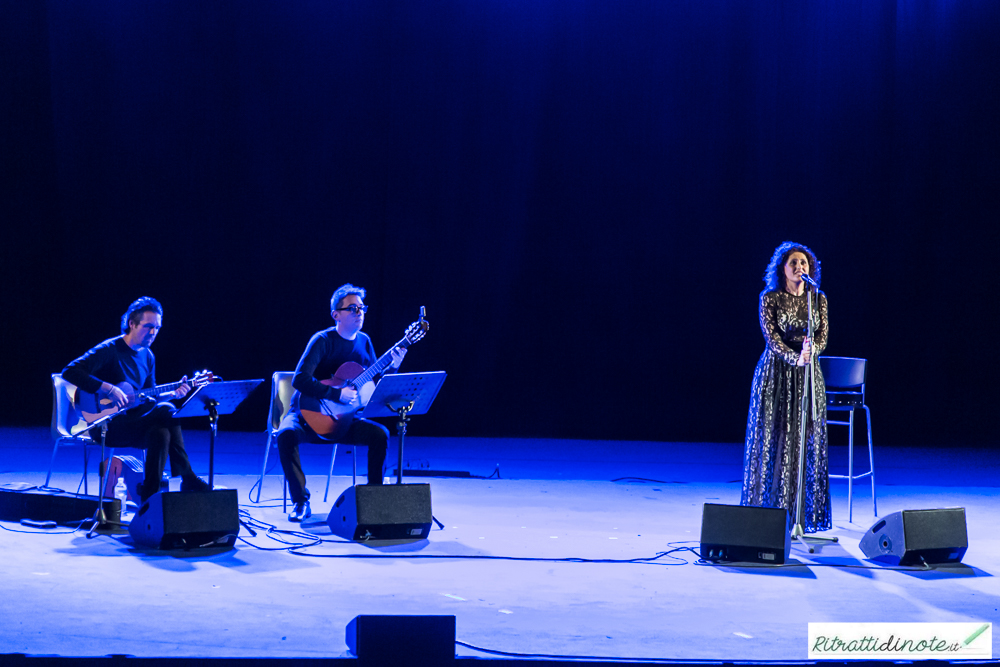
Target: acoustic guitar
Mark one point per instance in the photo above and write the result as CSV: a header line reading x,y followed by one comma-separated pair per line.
x,y
94,406
330,419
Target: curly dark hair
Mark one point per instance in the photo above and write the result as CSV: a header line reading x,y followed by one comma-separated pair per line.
x,y
774,274
135,310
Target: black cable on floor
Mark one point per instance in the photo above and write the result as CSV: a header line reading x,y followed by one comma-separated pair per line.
x,y
644,480
556,656
272,532
644,560
47,531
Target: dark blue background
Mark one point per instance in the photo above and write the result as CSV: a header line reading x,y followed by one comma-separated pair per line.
x,y
583,194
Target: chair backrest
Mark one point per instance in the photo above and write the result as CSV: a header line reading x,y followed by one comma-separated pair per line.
x,y
844,372
66,418
281,397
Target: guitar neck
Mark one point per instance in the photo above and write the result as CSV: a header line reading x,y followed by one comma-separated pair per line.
x,y
158,389
379,366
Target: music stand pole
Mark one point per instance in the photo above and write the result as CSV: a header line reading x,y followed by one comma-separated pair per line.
x,y
215,398
808,394
213,422
401,428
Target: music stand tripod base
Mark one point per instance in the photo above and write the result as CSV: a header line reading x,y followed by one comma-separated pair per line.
x,y
101,524
799,534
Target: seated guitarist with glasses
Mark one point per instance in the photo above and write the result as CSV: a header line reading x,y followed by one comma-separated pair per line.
x,y
114,372
315,380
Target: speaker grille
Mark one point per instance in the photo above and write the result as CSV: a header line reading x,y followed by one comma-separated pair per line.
x,y
389,512
748,534
395,503
935,529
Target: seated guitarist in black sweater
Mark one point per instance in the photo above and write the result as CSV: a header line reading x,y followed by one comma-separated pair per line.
x,y
328,351
113,371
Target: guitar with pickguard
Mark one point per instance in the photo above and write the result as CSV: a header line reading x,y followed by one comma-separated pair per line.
x,y
95,406
331,419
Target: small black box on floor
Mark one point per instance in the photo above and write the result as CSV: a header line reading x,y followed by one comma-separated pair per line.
x,y
59,507
402,640
745,534
912,537
382,512
187,520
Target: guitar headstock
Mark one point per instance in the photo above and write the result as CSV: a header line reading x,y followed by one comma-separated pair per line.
x,y
201,378
417,330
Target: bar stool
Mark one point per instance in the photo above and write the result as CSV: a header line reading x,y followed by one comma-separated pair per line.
x,y
845,392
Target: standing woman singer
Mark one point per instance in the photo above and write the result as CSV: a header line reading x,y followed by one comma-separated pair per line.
x,y
771,457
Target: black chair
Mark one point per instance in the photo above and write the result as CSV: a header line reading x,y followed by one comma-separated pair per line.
x,y
68,425
845,392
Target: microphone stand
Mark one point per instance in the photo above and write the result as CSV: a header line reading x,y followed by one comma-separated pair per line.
x,y
808,394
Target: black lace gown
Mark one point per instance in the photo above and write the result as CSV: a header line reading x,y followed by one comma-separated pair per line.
x,y
771,457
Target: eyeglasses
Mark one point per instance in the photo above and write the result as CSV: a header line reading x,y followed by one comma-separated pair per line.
x,y
355,309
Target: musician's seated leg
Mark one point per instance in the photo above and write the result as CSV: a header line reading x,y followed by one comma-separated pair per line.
x,y
160,436
180,464
293,430
376,438
129,431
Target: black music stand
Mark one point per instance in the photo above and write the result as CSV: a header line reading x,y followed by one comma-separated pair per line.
x,y
402,395
214,399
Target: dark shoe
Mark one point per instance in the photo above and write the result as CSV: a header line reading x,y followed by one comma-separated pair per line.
x,y
145,492
194,484
300,512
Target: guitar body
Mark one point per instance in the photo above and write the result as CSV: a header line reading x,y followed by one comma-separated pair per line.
x,y
93,407
331,419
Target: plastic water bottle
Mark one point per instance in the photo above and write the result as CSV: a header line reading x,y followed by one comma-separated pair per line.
x,y
121,493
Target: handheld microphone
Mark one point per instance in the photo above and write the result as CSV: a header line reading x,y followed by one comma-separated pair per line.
x,y
809,281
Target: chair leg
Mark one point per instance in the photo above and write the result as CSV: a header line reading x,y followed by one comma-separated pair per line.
x,y
333,457
871,458
52,463
85,459
263,468
850,468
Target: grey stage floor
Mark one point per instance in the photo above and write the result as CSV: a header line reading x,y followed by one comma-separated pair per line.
x,y
64,594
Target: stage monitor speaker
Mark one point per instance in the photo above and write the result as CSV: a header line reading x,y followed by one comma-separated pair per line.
x,y
912,537
382,512
745,534
187,520
402,640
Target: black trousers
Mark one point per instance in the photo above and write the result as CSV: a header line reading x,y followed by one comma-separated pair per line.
x,y
160,435
294,430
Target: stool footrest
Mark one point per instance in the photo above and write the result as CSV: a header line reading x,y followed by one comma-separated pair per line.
x,y
861,476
